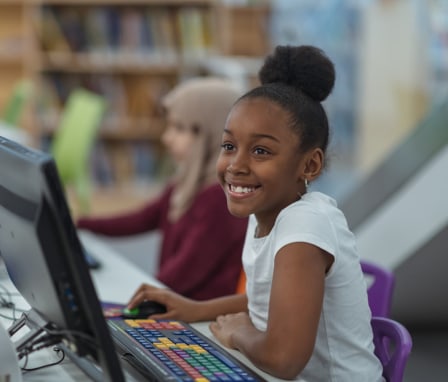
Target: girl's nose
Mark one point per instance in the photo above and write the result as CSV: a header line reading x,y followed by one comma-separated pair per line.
x,y
238,164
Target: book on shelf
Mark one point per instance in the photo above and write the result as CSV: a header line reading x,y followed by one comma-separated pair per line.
x,y
194,31
132,103
132,32
141,102
131,53
96,23
162,29
145,96
121,162
114,90
101,170
145,163
50,34
70,19
128,35
48,98
120,165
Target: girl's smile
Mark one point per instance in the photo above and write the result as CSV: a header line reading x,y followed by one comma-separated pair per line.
x,y
237,191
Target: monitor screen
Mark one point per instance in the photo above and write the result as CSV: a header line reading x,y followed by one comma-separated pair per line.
x,y
44,257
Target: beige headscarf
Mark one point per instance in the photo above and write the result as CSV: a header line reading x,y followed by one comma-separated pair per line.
x,y
202,103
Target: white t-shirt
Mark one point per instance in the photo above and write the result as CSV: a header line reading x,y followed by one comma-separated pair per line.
x,y
344,349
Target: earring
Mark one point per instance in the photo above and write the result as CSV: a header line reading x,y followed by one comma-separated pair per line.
x,y
306,184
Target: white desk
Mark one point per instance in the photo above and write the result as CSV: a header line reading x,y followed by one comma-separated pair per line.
x,y
116,281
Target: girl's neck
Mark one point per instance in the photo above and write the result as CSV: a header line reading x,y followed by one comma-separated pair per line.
x,y
262,231
265,223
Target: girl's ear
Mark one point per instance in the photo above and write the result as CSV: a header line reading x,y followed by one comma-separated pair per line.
x,y
313,164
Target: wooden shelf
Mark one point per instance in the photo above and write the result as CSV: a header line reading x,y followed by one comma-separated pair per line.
x,y
132,52
15,3
148,130
122,2
8,59
106,63
14,47
247,30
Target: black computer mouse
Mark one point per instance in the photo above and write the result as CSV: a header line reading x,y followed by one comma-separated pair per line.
x,y
144,310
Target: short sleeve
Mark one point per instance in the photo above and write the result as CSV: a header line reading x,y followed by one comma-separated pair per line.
x,y
302,222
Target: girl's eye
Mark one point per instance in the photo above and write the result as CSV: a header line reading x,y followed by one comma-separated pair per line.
x,y
260,151
227,146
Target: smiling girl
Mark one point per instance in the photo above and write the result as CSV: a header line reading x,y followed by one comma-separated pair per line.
x,y
305,315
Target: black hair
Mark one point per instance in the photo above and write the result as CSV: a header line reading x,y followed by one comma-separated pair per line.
x,y
299,78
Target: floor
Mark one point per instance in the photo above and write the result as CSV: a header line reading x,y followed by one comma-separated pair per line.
x,y
429,357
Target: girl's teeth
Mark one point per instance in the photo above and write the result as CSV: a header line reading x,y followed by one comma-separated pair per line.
x,y
240,189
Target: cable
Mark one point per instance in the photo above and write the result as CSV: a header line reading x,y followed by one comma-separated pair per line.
x,y
86,338
52,337
56,349
38,344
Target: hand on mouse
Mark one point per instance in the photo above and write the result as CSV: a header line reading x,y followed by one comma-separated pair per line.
x,y
145,309
177,306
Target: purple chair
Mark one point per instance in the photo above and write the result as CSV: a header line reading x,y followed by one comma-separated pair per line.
x,y
393,344
381,290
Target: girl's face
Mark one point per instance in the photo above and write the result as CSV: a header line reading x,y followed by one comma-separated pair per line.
x,y
260,164
178,140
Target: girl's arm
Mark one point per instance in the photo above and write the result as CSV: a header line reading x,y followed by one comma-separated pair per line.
x,y
139,220
186,309
295,306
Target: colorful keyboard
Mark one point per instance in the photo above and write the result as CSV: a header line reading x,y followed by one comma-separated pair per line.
x,y
175,351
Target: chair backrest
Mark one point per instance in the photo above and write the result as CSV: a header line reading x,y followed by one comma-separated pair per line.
x,y
380,290
74,139
241,284
393,344
15,105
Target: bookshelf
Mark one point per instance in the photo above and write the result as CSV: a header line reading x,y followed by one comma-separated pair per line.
x,y
15,47
130,51
246,29
243,39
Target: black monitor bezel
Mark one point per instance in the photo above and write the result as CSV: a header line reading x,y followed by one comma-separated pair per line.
x,y
31,191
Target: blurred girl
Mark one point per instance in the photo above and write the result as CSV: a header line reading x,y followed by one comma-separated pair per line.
x,y
201,241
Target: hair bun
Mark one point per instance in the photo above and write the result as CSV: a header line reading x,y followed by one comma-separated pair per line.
x,y
304,67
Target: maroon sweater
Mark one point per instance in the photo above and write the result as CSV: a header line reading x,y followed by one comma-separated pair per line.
x,y
200,253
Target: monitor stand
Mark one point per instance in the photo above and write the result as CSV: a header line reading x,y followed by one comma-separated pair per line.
x,y
37,327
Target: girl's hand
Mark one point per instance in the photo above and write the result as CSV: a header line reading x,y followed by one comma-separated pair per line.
x,y
225,326
177,306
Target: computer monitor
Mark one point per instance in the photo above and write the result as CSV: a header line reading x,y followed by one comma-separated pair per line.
x,y
44,258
